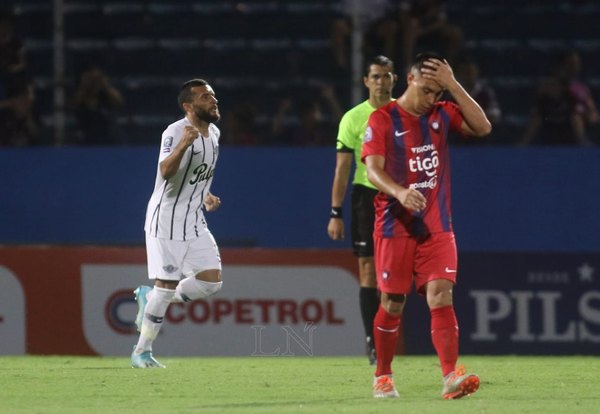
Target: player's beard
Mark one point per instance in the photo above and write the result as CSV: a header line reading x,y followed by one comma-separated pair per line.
x,y
206,116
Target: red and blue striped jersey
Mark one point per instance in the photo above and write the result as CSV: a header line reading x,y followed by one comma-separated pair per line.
x,y
415,149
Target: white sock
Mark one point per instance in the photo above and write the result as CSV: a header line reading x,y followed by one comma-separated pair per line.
x,y
190,289
158,301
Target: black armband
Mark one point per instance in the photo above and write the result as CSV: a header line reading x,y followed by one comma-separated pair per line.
x,y
336,212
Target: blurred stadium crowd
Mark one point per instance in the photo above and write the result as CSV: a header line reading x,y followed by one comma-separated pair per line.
x,y
282,69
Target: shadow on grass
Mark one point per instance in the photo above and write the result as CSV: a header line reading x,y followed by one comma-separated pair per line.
x,y
259,404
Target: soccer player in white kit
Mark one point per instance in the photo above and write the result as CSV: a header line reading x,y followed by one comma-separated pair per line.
x,y
183,257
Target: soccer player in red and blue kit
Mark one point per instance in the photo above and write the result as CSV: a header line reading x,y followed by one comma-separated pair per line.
x,y
406,154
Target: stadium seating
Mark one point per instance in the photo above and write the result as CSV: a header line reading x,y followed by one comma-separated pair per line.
x,y
269,50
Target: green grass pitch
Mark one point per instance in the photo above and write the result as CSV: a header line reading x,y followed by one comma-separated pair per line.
x,y
509,384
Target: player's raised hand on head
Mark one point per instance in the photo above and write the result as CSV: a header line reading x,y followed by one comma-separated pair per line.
x,y
211,202
412,199
438,71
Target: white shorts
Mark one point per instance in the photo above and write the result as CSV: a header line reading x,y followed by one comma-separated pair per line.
x,y
176,259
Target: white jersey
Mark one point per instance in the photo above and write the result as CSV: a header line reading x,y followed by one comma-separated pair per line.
x,y
175,208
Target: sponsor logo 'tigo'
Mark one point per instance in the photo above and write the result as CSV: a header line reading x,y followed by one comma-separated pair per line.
x,y
426,164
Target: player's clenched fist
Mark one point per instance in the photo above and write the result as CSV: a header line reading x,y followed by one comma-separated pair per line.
x,y
211,202
189,135
412,199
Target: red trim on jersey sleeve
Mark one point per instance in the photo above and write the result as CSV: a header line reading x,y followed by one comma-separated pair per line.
x,y
374,139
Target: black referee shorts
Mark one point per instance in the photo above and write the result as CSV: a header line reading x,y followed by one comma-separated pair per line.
x,y
363,220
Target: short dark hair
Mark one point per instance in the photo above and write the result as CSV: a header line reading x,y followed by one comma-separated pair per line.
x,y
423,57
185,93
379,60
